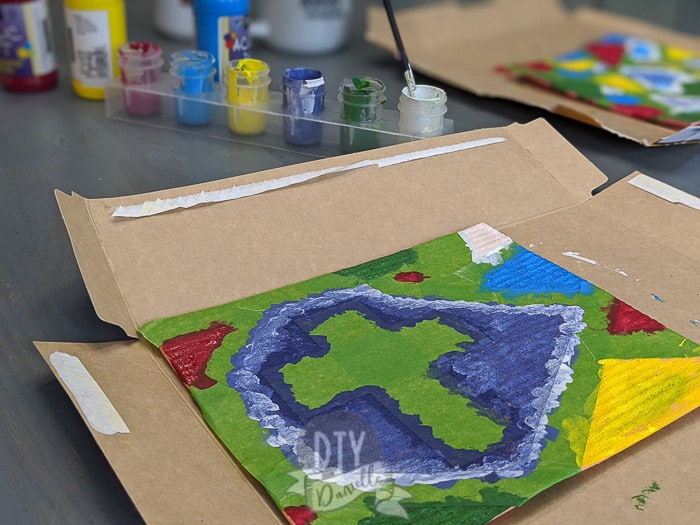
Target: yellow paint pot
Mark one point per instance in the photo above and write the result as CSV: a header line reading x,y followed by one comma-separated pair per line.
x,y
248,86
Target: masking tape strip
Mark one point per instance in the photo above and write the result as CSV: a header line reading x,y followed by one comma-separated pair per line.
x,y
486,243
157,206
664,191
93,402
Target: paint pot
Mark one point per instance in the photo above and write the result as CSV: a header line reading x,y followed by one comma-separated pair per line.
x,y
174,18
222,27
423,113
27,60
96,29
140,64
361,106
303,98
248,86
192,72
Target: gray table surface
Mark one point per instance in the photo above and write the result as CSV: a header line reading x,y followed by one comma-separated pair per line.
x,y
51,471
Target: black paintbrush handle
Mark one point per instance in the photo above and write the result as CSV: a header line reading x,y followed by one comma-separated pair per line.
x,y
397,36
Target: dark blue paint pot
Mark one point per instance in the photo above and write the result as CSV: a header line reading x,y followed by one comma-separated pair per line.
x,y
303,96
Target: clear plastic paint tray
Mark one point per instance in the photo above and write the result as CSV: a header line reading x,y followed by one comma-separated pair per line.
x,y
155,105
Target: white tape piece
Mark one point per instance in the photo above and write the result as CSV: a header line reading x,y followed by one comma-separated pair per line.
x,y
93,402
157,206
485,243
665,191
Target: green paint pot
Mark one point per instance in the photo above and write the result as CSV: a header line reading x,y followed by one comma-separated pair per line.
x,y
362,103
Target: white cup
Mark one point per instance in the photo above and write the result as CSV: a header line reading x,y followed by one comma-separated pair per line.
x,y
174,18
306,27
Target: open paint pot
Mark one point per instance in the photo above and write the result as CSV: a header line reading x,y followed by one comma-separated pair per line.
x,y
361,107
193,73
303,98
248,86
140,64
422,113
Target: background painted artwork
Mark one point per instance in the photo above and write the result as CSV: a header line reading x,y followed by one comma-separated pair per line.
x,y
446,383
638,77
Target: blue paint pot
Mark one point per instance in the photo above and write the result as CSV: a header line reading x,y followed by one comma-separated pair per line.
x,y
193,76
222,30
303,97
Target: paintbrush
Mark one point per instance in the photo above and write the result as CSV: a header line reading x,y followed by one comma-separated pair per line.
x,y
408,72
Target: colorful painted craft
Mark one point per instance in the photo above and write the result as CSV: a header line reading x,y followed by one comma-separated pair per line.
x,y
445,383
634,76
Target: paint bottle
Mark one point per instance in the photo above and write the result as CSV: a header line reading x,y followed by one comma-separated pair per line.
x,y
96,29
27,60
361,105
192,72
140,64
174,19
422,114
303,98
222,29
248,85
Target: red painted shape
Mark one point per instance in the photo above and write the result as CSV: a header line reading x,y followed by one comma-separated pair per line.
x,y
539,66
189,353
301,515
611,54
410,277
624,319
643,112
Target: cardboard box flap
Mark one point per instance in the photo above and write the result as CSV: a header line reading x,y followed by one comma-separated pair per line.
x,y
93,262
655,209
534,186
635,245
174,469
463,45
141,269
205,484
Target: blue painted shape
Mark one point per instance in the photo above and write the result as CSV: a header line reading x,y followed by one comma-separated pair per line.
x,y
514,372
527,273
577,54
644,51
614,38
625,100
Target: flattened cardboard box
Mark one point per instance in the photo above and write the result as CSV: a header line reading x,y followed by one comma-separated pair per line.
x,y
462,45
534,186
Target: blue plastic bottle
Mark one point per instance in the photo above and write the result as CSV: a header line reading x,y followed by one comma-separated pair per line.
x,y
222,30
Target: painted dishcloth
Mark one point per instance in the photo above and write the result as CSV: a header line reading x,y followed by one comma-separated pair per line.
x,y
634,76
493,374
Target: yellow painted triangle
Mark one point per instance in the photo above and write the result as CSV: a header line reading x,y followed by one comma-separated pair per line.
x,y
637,397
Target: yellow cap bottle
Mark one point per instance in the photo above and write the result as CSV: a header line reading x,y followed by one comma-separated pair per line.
x,y
96,29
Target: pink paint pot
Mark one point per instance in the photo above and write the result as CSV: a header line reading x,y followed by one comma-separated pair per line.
x,y
140,64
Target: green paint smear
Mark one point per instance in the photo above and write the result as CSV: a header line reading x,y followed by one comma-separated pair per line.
x,y
401,360
451,510
381,266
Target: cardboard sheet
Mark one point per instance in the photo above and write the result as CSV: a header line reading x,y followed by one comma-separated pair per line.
x,y
137,270
462,45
